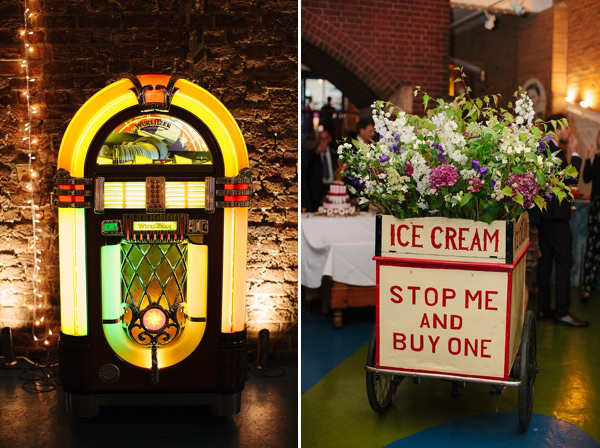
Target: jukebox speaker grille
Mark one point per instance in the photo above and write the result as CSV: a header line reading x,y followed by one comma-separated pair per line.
x,y
154,279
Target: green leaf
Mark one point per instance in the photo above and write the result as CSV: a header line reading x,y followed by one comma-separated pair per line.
x,y
441,102
571,171
518,169
495,100
536,131
510,105
518,198
553,123
508,117
539,201
486,99
507,191
465,199
541,179
457,80
531,155
487,217
425,100
479,103
453,201
415,92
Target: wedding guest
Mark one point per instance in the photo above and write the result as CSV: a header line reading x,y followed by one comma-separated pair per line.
x,y
326,118
556,240
591,264
321,163
365,130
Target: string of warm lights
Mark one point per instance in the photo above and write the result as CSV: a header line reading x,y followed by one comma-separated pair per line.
x,y
35,214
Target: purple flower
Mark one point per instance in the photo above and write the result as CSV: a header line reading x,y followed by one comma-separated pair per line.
x,y
548,196
356,182
482,170
396,149
543,145
526,185
383,158
440,156
397,138
443,176
494,182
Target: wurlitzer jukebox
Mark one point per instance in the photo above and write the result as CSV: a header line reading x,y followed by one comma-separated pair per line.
x,y
152,189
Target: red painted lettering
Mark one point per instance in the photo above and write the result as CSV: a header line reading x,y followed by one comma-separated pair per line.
x,y
455,322
399,338
413,346
491,238
424,321
437,321
447,294
433,243
458,344
395,290
433,342
488,299
435,296
476,241
392,235
461,238
450,235
400,227
416,236
484,347
470,296
468,346
414,290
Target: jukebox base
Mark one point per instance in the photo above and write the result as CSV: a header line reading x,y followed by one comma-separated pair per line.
x,y
221,405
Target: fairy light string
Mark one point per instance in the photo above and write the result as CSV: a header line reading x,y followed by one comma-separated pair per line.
x,y
38,297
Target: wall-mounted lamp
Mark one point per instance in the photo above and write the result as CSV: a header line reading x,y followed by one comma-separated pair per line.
x,y
570,98
584,104
490,22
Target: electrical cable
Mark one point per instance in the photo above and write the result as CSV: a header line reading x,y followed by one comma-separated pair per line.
x,y
258,372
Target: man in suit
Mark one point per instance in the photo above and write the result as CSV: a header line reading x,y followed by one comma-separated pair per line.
x,y
320,169
556,240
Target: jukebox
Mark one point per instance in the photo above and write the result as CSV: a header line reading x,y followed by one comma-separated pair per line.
x,y
152,190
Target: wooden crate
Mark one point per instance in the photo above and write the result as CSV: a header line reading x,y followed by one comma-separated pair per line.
x,y
450,295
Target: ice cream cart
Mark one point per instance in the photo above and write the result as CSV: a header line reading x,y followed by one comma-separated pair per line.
x,y
451,305
152,190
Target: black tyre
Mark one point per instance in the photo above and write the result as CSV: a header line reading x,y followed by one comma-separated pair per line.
x,y
527,370
380,387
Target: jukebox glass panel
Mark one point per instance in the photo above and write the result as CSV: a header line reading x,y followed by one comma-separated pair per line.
x,y
153,277
154,139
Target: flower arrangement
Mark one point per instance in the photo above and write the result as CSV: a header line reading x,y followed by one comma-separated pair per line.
x,y
464,159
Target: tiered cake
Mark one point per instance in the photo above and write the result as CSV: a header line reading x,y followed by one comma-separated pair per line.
x,y
337,201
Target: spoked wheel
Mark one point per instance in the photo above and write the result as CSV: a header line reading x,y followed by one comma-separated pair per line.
x,y
527,370
380,387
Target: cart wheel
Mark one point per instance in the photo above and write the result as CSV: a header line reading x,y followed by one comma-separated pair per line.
x,y
527,370
380,387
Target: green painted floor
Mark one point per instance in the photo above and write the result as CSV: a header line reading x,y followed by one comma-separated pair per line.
x,y
336,413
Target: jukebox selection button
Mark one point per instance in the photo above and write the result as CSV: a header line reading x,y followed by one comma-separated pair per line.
x,y
111,228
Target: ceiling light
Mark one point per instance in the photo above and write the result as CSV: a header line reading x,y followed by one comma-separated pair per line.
x,y
519,9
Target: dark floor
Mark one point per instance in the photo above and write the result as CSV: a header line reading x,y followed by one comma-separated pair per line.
x,y
268,418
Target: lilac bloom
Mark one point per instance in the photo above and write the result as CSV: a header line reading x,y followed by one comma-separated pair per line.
x,y
383,158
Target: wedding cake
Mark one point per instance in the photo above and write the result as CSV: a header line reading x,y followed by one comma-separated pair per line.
x,y
337,201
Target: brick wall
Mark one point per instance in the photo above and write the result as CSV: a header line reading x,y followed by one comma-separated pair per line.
x,y
243,52
583,57
384,45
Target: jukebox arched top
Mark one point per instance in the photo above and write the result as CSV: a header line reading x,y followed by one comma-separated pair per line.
x,y
121,96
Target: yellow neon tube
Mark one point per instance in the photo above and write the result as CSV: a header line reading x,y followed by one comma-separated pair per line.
x,y
73,281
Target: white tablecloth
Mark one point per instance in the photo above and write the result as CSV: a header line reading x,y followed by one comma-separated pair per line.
x,y
341,247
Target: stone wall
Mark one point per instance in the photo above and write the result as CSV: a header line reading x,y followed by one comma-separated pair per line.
x,y
244,52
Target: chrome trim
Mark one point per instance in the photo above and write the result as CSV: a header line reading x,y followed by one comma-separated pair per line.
x,y
437,376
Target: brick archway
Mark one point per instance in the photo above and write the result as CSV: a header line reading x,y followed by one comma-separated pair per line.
x,y
332,53
325,66
371,50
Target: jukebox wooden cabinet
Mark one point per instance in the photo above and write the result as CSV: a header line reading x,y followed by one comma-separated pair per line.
x,y
152,190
